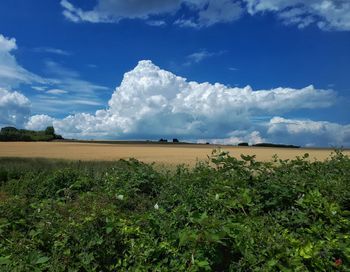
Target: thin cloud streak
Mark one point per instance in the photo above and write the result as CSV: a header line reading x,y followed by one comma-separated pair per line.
x,y
52,50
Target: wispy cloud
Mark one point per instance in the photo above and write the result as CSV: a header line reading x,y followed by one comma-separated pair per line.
x,y
52,50
66,91
325,14
68,100
56,91
39,88
70,80
205,12
13,74
186,23
63,104
156,23
200,56
61,90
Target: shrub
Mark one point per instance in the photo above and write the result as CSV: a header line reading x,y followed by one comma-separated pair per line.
x,y
222,215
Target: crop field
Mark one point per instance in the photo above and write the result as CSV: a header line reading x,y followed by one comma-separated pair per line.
x,y
158,153
226,215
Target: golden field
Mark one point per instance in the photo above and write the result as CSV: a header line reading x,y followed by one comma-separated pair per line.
x,y
158,153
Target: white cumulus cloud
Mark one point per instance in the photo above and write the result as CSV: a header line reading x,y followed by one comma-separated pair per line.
x,y
14,108
308,132
237,137
39,122
151,102
7,44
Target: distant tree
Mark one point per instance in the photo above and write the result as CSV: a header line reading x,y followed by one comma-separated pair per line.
x,y
276,145
175,140
243,144
9,130
58,137
163,140
50,131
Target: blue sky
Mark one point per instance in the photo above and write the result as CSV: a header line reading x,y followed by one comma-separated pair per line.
x,y
67,58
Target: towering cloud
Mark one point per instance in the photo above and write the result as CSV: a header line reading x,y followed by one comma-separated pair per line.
x,y
151,103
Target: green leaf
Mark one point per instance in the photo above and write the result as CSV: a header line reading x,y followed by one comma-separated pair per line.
x,y
203,264
109,230
306,251
213,237
42,260
183,238
272,263
5,260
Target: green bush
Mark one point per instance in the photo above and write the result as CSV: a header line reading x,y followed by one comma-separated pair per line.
x,y
222,215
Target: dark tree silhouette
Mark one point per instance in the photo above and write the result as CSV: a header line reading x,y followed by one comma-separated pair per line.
x,y
243,144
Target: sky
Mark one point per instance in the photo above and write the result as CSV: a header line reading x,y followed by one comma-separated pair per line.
x,y
219,71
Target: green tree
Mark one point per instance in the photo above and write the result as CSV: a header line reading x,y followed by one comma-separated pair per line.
x,y
9,130
50,130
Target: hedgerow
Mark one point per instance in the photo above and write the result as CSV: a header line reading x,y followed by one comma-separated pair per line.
x,y
222,215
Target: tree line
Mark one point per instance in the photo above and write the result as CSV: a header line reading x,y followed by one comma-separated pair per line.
x,y
14,134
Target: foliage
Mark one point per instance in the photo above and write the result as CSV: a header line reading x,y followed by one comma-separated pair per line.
x,y
50,131
222,215
14,134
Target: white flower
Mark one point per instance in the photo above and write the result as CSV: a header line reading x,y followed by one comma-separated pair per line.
x,y
120,197
334,212
217,197
156,206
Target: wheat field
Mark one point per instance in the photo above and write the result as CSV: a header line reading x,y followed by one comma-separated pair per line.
x,y
158,153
